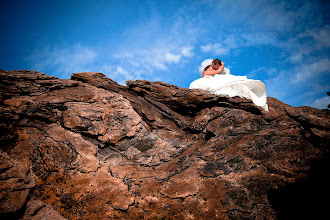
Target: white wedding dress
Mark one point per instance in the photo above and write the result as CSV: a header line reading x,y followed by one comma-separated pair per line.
x,y
227,84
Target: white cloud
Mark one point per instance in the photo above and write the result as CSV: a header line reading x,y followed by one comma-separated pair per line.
x,y
155,64
252,39
172,58
306,72
221,51
207,47
321,103
231,41
321,35
216,48
187,51
122,72
144,63
120,75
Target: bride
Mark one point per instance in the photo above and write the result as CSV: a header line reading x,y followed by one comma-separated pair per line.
x,y
218,80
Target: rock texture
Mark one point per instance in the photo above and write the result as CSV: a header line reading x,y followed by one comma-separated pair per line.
x,y
89,148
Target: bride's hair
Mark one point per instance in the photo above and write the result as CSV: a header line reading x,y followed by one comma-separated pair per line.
x,y
207,67
217,61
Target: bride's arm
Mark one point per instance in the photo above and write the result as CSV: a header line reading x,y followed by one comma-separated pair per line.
x,y
214,72
211,72
221,67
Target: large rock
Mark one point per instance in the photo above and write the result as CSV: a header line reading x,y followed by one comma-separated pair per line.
x,y
89,148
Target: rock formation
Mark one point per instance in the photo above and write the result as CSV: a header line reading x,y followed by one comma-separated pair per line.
x,y
89,148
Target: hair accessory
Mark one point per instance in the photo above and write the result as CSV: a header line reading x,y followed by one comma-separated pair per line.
x,y
203,65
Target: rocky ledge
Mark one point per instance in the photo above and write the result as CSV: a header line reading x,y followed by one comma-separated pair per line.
x,y
89,148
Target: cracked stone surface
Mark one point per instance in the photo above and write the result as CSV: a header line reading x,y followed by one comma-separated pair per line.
x,y
89,148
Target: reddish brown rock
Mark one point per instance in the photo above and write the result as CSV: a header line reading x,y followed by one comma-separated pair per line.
x,y
36,209
16,182
89,148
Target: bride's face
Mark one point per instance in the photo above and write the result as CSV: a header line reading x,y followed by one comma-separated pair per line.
x,y
209,68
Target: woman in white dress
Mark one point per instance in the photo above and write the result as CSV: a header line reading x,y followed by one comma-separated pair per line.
x,y
218,80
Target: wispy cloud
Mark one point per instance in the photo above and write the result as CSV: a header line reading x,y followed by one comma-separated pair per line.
x,y
259,38
313,70
269,72
321,103
62,60
307,42
264,16
301,85
170,57
187,51
231,42
216,49
159,45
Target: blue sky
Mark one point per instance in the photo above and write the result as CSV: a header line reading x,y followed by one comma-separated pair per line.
x,y
283,43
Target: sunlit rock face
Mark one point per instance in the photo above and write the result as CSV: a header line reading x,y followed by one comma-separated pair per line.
x,y
89,148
